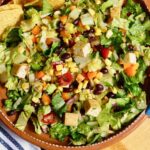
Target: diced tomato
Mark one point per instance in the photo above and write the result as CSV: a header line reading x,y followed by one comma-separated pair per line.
x,y
85,75
56,63
105,52
65,79
49,118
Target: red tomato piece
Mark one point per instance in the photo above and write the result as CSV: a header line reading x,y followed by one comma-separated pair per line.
x,y
65,79
49,118
105,52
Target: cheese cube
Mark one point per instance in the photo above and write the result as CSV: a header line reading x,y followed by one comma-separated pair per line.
x,y
109,34
82,49
20,70
92,107
71,119
130,58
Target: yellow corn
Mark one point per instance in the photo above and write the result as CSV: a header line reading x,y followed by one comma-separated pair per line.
x,y
60,88
99,75
96,81
68,60
58,73
108,62
98,32
73,70
80,86
85,84
59,67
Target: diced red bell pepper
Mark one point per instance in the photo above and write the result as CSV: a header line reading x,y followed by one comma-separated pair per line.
x,y
49,118
65,79
105,52
85,75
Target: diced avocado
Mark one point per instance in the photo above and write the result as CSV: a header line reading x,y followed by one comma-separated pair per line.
x,y
51,88
24,117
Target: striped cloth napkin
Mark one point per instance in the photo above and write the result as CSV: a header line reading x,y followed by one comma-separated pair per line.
x,y
10,141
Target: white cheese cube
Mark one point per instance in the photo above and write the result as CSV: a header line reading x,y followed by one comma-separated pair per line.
x,y
71,119
87,19
130,58
75,13
82,49
109,34
92,108
20,70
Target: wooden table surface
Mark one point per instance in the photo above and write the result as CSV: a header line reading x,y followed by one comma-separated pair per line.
x,y
139,139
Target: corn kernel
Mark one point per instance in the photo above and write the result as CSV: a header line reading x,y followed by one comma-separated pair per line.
x,y
77,39
60,88
25,86
99,75
98,32
58,73
104,29
98,2
59,67
96,81
80,78
68,60
87,27
51,72
85,84
91,11
114,90
80,86
77,91
35,100
73,70
108,62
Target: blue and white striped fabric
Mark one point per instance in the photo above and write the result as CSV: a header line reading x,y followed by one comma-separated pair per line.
x,y
10,141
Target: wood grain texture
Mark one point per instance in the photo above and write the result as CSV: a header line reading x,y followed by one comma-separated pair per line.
x,y
139,139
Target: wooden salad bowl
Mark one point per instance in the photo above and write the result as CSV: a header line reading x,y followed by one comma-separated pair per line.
x,y
44,141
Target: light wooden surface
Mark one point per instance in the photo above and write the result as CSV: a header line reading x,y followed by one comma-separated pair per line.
x,y
139,139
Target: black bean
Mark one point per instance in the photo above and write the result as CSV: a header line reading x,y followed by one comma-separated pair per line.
x,y
84,10
86,34
71,43
65,56
75,84
76,22
34,104
98,47
116,108
92,30
59,50
60,24
130,47
99,87
89,86
12,112
69,89
97,92
104,70
111,95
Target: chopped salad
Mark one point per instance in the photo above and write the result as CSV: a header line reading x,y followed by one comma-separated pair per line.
x,y
76,72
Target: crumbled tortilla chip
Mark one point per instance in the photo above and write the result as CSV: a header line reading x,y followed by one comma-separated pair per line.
x,y
28,2
10,15
56,3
